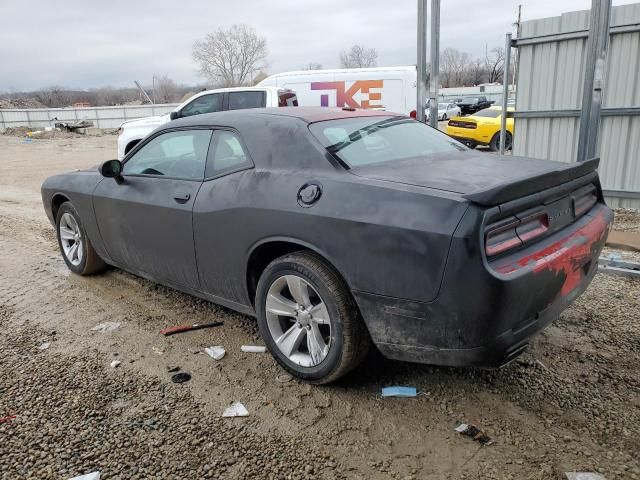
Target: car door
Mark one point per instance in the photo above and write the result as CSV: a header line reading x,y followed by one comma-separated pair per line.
x,y
146,220
218,219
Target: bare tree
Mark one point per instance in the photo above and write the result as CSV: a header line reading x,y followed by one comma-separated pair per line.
x,y
312,66
259,77
54,97
494,64
231,57
166,90
359,57
453,65
477,72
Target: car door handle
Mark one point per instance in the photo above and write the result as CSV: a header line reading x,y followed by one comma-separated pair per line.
x,y
182,197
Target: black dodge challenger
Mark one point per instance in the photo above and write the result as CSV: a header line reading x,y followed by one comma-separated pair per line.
x,y
339,228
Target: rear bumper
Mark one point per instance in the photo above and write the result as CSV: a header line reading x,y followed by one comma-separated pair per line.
x,y
486,313
469,142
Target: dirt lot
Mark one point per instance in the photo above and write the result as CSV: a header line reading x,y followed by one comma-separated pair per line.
x,y
571,403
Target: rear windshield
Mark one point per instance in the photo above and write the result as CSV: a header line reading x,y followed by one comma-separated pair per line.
x,y
488,112
470,100
371,140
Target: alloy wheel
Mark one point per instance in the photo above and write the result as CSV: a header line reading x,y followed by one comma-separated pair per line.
x,y
298,320
71,239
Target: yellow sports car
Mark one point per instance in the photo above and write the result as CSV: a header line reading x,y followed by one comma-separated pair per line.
x,y
481,128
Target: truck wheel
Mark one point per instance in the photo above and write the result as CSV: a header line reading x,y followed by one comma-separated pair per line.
x,y
75,246
308,319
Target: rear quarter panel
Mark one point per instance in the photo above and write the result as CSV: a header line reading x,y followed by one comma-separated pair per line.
x,y
384,238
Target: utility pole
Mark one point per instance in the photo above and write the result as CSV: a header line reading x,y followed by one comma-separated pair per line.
x,y
517,56
505,92
421,64
434,80
597,45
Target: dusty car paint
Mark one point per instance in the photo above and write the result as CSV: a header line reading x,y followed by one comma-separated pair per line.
x,y
407,236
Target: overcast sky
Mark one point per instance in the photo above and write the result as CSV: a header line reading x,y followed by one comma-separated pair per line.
x,y
85,44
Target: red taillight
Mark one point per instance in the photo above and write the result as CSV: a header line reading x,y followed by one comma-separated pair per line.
x,y
413,114
502,237
512,233
583,203
532,227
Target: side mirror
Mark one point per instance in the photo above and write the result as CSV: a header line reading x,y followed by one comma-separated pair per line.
x,y
112,169
174,115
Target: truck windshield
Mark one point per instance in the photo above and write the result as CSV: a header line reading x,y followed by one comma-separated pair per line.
x,y
470,100
370,140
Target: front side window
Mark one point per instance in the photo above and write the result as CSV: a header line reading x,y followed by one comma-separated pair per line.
x,y
226,154
204,104
180,154
249,99
371,140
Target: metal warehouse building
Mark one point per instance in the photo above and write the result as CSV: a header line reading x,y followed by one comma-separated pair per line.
x,y
552,61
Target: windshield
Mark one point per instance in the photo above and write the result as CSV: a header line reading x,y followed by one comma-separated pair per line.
x,y
371,140
488,112
469,100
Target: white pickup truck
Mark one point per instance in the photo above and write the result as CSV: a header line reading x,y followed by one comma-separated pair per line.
x,y
208,101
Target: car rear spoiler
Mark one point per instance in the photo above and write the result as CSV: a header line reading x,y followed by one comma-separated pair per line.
x,y
530,185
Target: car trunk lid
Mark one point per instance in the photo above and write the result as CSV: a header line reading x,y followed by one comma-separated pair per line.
x,y
484,179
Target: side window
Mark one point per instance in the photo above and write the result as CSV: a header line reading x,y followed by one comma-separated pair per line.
x,y
249,99
226,154
180,154
204,104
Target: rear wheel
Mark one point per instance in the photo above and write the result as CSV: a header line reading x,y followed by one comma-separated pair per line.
x,y
75,246
444,117
494,145
308,319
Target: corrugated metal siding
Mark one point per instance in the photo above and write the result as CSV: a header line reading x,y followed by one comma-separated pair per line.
x,y
550,77
102,117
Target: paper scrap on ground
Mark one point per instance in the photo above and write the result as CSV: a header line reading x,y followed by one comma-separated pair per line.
x,y
88,476
584,476
253,348
216,352
475,433
399,392
236,410
115,363
106,327
44,346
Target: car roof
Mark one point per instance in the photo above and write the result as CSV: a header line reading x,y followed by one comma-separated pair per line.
x,y
305,114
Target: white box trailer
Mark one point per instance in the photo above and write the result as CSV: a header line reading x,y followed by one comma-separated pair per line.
x,y
383,88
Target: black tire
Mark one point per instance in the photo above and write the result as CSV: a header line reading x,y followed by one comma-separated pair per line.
x,y
444,117
90,262
350,339
494,145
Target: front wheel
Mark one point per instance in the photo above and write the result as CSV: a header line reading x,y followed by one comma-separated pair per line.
x,y
444,117
75,246
308,319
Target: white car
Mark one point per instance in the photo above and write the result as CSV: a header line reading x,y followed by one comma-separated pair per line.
x,y
446,111
238,98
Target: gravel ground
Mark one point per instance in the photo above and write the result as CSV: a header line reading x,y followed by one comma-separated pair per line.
x,y
570,403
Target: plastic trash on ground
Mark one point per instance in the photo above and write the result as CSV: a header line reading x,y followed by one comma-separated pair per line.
x,y
236,409
216,352
399,392
475,433
44,346
115,363
88,476
106,327
253,348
